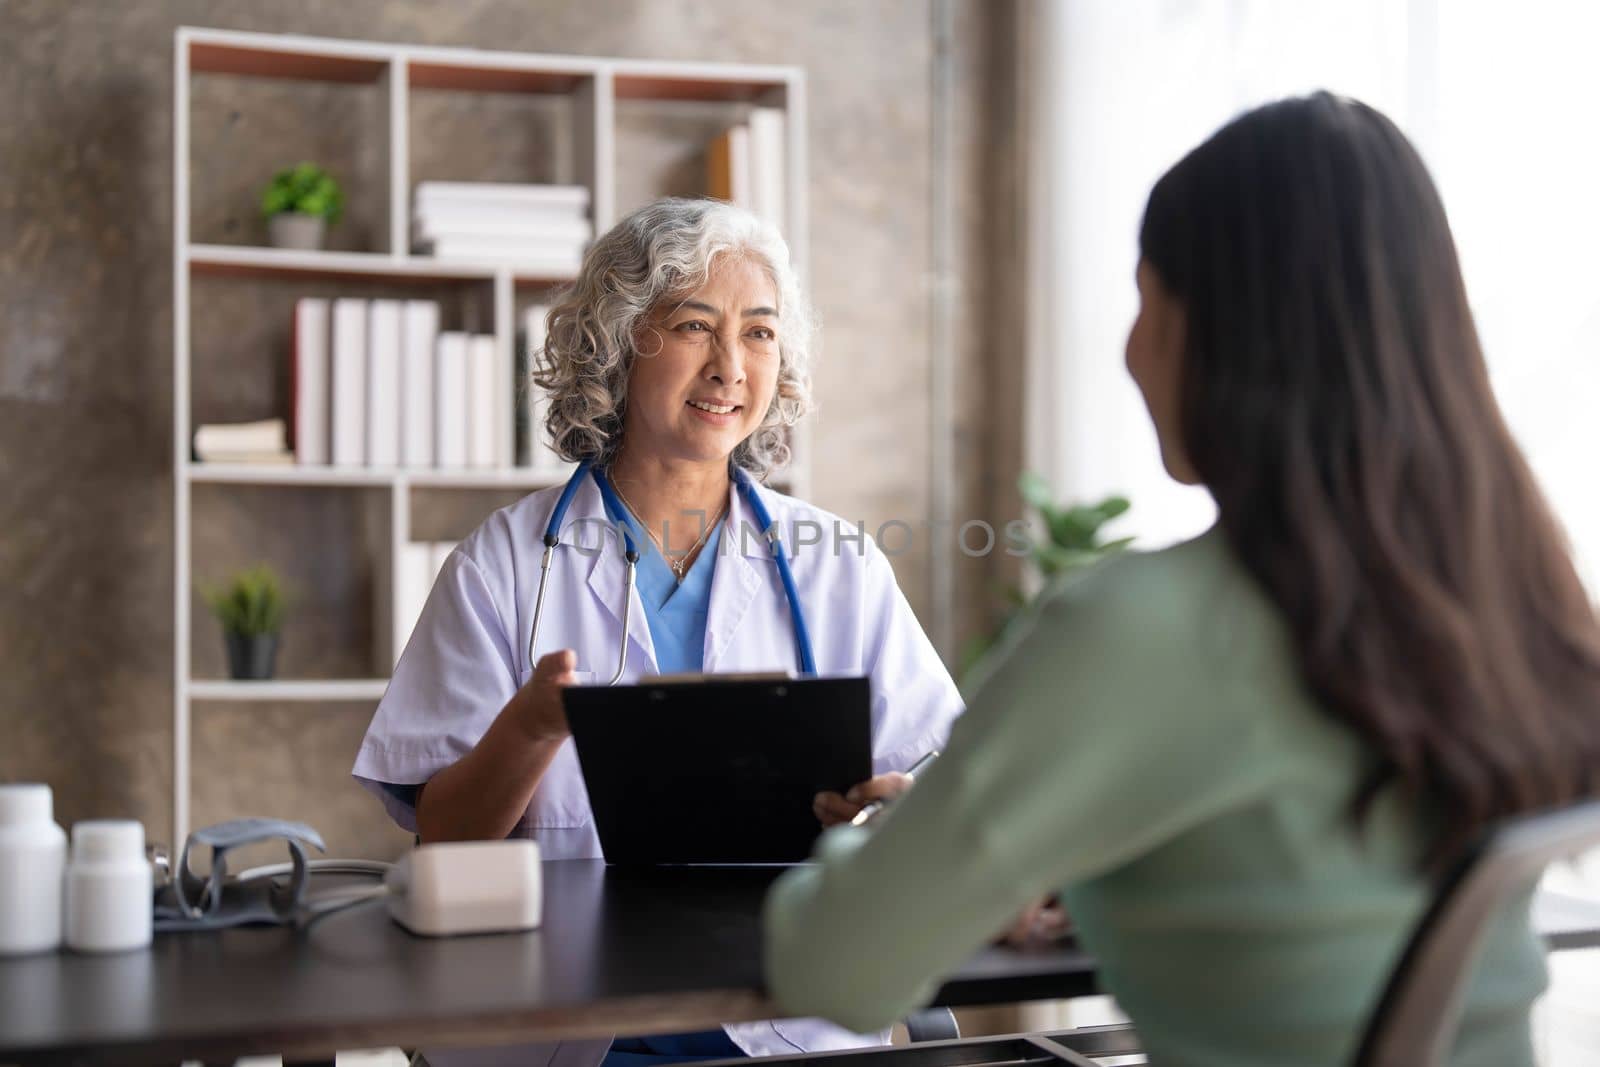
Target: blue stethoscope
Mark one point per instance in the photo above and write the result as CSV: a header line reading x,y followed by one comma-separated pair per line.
x,y
747,489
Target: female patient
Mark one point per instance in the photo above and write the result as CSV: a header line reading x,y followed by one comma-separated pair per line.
x,y
1241,758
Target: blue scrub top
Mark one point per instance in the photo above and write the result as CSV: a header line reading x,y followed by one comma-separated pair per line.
x,y
675,612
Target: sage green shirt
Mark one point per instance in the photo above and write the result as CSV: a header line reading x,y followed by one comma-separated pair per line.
x,y
1143,744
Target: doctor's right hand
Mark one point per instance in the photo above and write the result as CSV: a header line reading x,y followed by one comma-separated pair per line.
x,y
538,703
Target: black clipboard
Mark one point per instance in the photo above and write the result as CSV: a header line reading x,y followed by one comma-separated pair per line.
x,y
717,771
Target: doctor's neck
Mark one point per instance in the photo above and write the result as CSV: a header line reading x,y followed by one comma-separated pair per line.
x,y
671,490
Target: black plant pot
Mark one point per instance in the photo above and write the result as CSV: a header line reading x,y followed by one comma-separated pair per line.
x,y
251,657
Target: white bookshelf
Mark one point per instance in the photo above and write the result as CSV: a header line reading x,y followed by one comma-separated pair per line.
x,y
593,85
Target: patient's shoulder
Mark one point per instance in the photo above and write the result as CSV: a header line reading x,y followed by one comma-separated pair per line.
x,y
1191,599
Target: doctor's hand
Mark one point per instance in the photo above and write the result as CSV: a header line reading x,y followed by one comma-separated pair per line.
x,y
831,809
538,704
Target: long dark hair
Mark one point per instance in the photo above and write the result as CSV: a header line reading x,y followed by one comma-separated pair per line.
x,y
1334,399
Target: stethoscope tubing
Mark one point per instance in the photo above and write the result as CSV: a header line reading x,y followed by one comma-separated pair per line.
x,y
747,489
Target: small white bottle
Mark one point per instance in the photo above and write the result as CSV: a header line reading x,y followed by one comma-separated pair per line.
x,y
33,854
108,887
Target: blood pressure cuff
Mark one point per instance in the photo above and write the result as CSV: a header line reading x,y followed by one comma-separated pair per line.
x,y
211,902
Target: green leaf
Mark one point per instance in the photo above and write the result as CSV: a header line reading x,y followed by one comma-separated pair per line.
x,y
1035,491
1112,506
250,604
305,189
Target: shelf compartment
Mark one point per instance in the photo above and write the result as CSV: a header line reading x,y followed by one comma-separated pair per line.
x,y
645,82
310,689
297,63
483,75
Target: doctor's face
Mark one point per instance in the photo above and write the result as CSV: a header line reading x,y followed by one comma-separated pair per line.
x,y
706,366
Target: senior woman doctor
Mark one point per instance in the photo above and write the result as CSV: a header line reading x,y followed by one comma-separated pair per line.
x,y
674,364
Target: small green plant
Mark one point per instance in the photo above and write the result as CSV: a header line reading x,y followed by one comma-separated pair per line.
x,y
304,189
1074,532
250,604
1072,541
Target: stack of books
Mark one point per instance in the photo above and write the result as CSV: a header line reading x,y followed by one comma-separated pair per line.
x,y
746,165
265,441
377,383
541,229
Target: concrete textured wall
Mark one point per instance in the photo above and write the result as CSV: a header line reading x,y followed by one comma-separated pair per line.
x,y
86,521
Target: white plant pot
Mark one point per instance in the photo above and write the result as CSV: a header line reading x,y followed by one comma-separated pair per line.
x,y
303,232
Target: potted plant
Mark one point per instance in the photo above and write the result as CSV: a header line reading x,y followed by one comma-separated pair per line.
x,y
250,608
299,204
1072,541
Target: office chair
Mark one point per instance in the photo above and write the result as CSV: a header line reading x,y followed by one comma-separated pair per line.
x,y
1415,1022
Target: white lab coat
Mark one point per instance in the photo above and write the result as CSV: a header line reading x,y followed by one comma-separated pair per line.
x,y
469,655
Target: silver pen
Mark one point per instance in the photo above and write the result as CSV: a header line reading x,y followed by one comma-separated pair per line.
x,y
877,805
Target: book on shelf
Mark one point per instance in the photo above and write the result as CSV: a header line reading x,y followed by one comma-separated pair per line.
x,y
483,393
222,442
349,406
450,398
746,164
421,332
728,166
309,377
476,221
523,195
541,228
532,258
383,383
767,164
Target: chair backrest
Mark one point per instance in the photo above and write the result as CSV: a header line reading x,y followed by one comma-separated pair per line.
x,y
1416,1019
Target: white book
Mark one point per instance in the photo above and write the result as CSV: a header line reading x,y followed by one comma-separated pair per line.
x,y
383,383
504,246
487,220
349,403
267,435
450,399
310,373
413,578
437,194
739,176
482,407
420,333
471,250
767,164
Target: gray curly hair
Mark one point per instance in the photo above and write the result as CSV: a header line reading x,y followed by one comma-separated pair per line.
x,y
660,253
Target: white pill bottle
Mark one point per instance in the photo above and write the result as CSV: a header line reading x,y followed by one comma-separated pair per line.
x,y
33,858
108,905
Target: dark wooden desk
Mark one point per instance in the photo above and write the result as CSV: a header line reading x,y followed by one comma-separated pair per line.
x,y
637,952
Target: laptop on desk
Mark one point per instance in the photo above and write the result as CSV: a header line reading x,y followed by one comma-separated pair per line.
x,y
717,771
